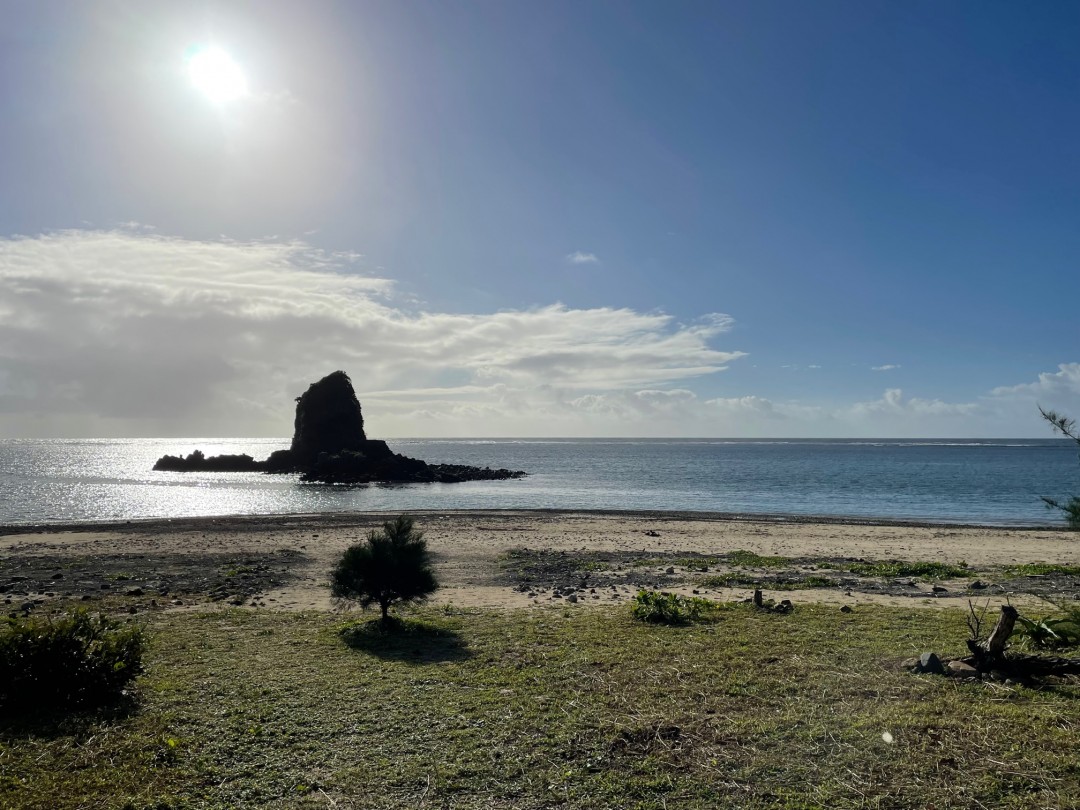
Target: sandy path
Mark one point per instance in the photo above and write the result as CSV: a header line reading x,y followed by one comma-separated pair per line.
x,y
466,546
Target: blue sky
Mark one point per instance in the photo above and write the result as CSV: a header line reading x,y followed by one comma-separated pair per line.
x,y
557,218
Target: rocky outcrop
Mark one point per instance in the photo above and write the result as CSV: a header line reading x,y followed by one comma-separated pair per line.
x,y
329,446
196,461
328,420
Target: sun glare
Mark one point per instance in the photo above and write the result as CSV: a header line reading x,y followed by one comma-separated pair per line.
x,y
216,75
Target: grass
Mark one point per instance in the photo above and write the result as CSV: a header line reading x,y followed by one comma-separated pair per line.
x,y
1042,569
749,559
743,580
553,708
894,569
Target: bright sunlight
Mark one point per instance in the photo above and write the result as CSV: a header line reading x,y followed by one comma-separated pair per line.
x,y
216,74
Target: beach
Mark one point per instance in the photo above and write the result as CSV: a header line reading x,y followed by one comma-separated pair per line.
x,y
521,559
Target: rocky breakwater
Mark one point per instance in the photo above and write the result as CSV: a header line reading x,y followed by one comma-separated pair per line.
x,y
329,446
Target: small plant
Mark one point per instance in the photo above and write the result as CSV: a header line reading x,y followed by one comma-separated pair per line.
x,y
1071,508
669,608
390,566
72,661
1051,632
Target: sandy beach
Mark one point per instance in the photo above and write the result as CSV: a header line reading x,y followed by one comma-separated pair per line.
x,y
476,553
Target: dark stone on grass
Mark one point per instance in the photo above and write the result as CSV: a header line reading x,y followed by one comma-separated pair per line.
x,y
930,664
977,585
940,589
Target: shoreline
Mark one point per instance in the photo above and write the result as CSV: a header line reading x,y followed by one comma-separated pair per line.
x,y
530,558
344,518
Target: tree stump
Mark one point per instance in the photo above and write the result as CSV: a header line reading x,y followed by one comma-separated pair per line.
x,y
992,651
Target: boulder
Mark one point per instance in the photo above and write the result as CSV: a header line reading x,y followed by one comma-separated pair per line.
x,y
930,664
961,669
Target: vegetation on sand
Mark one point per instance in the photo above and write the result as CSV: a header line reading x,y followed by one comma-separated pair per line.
x,y
670,608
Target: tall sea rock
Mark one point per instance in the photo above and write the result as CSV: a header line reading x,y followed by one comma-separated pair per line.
x,y
329,446
328,420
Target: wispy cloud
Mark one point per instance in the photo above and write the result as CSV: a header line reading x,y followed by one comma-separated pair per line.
x,y
107,332
580,257
886,367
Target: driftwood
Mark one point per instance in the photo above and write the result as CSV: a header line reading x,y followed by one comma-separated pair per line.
x,y
989,656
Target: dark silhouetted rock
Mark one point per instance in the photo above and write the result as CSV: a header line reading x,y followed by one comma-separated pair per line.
x,y
196,462
328,420
329,446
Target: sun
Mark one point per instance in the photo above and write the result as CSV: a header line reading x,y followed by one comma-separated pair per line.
x,y
216,75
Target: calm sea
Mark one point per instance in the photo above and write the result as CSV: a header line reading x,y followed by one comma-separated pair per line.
x,y
995,482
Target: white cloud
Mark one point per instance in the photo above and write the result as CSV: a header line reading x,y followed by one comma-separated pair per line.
x,y
886,367
1064,384
892,403
121,332
579,257
132,333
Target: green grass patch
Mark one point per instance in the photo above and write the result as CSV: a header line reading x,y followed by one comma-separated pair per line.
x,y
894,569
736,579
554,708
749,559
660,607
1042,569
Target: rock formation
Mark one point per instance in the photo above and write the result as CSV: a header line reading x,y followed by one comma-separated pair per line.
x,y
329,446
328,419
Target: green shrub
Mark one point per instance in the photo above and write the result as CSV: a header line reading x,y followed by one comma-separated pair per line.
x,y
669,608
70,661
1052,632
391,566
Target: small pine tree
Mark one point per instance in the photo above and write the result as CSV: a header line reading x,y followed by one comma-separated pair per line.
x,y
1066,427
390,566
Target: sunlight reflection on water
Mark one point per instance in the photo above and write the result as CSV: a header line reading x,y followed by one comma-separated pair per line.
x,y
996,482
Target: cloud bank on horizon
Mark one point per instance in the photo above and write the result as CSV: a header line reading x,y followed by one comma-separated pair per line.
x,y
130,333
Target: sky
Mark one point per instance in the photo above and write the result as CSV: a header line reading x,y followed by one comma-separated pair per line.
x,y
581,218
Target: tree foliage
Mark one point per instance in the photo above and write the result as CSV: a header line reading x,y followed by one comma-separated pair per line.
x,y
392,565
1066,427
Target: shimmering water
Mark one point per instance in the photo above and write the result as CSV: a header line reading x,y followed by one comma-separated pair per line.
x,y
47,481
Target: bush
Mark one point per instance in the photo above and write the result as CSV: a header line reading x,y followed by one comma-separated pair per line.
x,y
668,608
390,566
72,661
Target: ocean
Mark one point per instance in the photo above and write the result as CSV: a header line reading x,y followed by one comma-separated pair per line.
x,y
995,482
954,481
